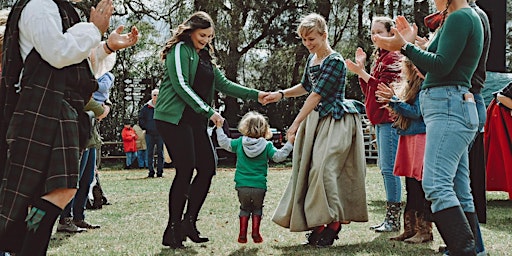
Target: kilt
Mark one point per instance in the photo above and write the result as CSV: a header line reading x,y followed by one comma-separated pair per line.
x,y
43,154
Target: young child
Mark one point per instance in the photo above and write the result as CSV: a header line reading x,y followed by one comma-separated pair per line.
x,y
411,148
253,152
129,143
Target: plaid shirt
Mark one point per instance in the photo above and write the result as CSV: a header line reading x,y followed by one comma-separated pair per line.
x,y
328,80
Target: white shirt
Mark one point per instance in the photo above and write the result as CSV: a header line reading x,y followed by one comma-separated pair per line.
x,y
41,28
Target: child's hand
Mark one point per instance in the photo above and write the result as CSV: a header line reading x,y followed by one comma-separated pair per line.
x,y
291,138
220,123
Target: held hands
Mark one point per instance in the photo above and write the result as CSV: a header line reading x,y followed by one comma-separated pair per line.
x,y
291,138
271,97
117,41
262,98
292,130
100,16
217,119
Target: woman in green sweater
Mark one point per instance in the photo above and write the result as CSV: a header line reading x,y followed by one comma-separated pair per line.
x,y
450,116
181,117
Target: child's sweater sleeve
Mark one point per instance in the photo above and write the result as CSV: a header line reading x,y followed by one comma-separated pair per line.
x,y
223,140
281,154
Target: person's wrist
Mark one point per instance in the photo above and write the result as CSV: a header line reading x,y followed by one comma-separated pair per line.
x,y
108,47
282,93
404,47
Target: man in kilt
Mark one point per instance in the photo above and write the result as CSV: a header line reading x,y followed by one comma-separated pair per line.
x,y
46,79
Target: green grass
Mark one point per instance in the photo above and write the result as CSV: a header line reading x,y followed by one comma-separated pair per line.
x,y
134,223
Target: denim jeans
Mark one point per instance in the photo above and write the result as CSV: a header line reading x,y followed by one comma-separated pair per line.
x,y
130,157
451,125
142,157
387,141
87,168
153,140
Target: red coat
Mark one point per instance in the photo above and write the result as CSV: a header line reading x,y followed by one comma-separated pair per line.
x,y
498,149
386,70
129,139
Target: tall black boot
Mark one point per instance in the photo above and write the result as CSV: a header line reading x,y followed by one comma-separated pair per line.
x,y
455,231
473,222
172,236
40,221
189,229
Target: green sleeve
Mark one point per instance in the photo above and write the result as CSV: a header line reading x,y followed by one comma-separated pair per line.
x,y
451,43
233,89
95,107
178,65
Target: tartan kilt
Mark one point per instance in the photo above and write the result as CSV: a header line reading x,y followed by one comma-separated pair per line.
x,y
43,155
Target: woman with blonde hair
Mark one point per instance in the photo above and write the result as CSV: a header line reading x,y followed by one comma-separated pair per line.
x,y
327,186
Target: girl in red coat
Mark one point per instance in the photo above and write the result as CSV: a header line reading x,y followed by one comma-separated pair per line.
x,y
129,143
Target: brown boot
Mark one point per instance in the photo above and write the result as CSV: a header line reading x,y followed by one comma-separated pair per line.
x,y
424,233
256,236
409,226
242,236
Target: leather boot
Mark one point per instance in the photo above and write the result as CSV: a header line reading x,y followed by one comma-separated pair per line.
x,y
410,226
242,236
393,212
172,236
424,231
256,236
189,229
455,231
314,236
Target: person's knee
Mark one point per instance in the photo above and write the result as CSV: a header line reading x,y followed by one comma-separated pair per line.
x,y
60,197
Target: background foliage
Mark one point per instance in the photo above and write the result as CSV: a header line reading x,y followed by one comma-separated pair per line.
x,y
255,44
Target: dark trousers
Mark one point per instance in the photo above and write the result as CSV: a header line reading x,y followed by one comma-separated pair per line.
x,y
251,200
152,141
415,200
191,149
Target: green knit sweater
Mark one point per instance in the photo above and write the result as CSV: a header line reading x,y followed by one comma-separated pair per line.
x,y
453,54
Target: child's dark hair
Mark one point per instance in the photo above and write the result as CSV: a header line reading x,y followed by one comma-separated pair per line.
x,y
254,125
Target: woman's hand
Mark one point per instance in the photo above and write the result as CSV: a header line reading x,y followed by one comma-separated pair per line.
x,y
292,130
262,98
217,119
407,31
360,59
272,97
422,42
100,16
393,43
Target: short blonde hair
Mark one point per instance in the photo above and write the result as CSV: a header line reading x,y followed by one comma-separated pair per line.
x,y
311,23
254,125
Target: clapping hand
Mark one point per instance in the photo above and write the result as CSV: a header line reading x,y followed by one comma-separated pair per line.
x,y
384,93
100,15
117,41
408,31
360,59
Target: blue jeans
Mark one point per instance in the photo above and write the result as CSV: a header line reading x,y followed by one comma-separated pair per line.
x,y
387,141
77,205
130,157
153,140
451,125
142,156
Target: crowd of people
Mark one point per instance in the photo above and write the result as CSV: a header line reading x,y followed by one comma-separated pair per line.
x,y
422,95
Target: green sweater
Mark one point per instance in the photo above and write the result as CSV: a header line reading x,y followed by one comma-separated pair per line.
x,y
452,56
176,89
251,171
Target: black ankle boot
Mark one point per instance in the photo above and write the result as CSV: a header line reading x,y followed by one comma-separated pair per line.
x,y
455,231
189,229
172,236
328,236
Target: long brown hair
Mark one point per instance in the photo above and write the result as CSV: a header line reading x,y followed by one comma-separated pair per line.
x,y
198,20
412,86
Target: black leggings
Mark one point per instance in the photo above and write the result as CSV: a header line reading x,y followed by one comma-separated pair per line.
x,y
190,148
416,197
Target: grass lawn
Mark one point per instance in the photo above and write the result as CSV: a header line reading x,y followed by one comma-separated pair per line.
x,y
134,223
